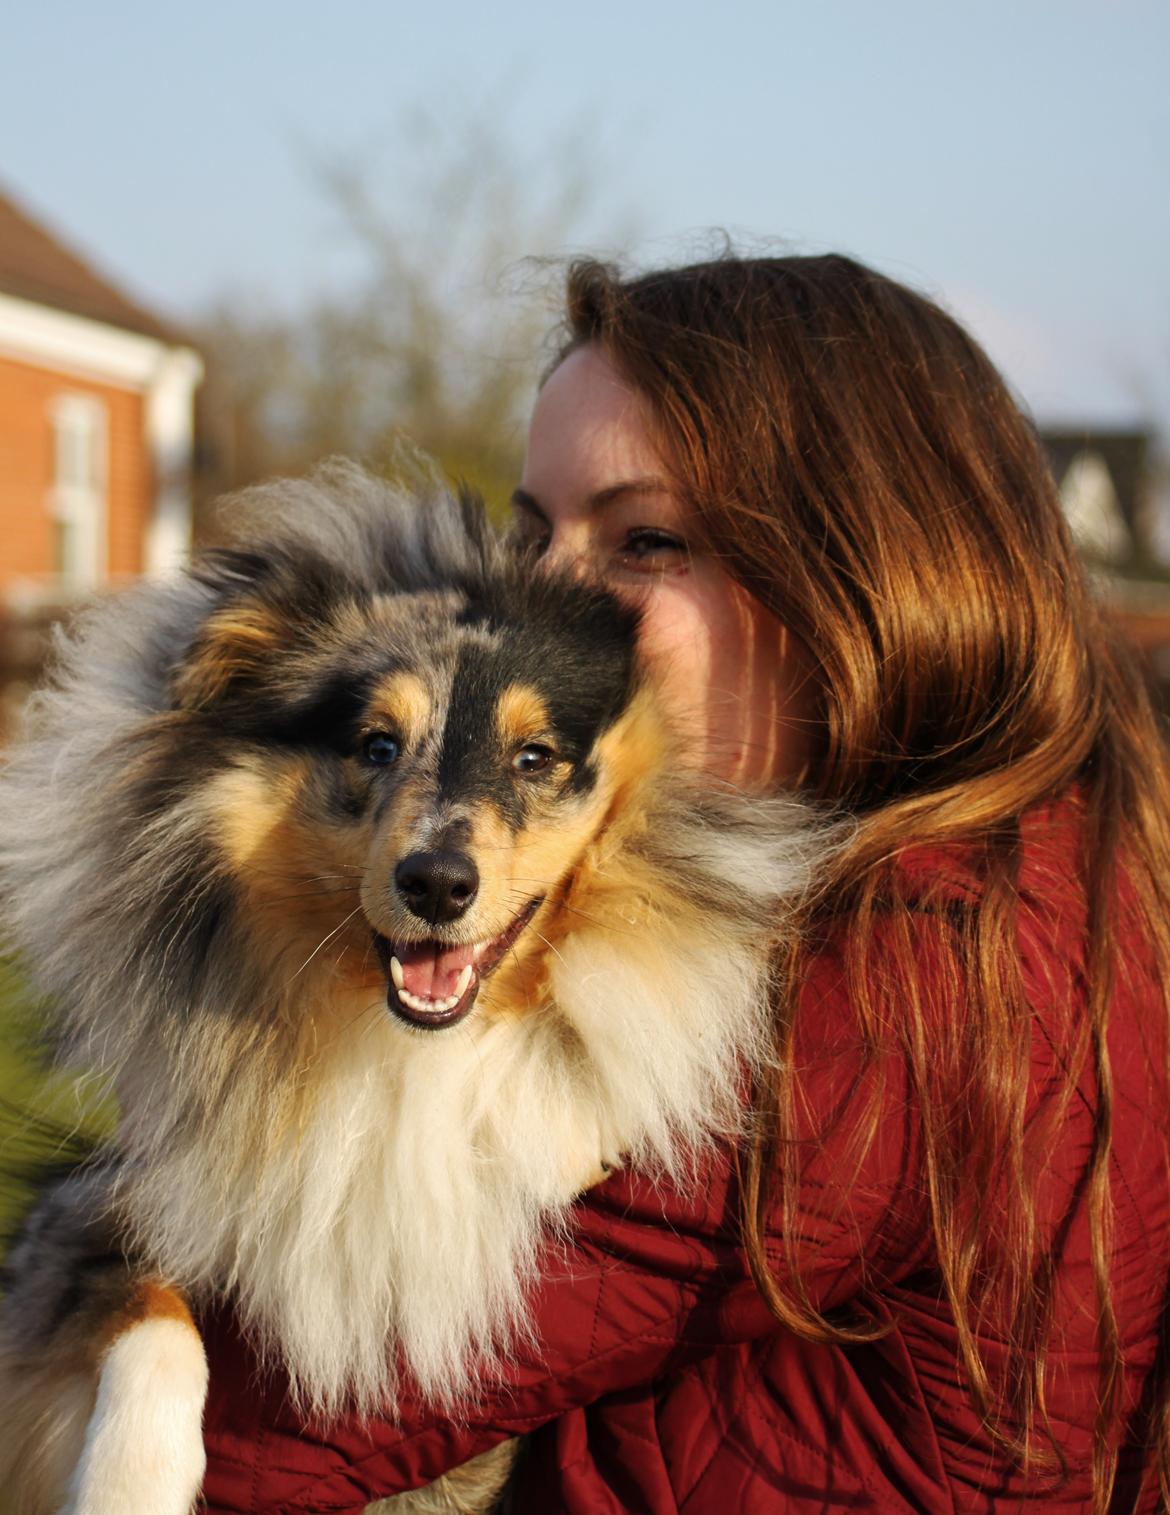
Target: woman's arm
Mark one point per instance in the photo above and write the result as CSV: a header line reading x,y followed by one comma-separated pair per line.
x,y
653,1277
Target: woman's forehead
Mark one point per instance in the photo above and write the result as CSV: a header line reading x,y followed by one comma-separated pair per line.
x,y
589,431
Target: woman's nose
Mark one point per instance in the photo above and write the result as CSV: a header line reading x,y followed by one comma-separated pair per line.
x,y
570,554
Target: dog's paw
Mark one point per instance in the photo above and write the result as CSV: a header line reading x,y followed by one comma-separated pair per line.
x,y
143,1450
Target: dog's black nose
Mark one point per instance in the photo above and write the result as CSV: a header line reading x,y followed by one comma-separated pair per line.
x,y
437,886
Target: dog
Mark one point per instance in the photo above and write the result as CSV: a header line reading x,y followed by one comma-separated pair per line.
x,y
360,864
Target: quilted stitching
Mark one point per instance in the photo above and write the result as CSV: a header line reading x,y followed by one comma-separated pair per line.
x,y
659,1282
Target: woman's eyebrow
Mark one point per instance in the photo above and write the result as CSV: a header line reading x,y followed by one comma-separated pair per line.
x,y
651,484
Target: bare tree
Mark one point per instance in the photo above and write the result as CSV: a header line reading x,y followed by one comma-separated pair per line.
x,y
457,245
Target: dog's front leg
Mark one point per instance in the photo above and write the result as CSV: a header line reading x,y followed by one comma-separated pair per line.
x,y
143,1452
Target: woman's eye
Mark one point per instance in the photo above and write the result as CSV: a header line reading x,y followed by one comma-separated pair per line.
x,y
532,759
381,749
649,546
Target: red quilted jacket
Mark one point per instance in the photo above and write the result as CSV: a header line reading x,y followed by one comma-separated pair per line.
x,y
661,1383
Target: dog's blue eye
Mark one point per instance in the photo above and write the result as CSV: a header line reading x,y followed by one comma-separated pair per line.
x,y
532,759
380,749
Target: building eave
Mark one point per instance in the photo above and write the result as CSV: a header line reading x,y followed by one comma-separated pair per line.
x,y
83,348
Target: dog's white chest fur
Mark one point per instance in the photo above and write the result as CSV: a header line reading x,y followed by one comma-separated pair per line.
x,y
401,1219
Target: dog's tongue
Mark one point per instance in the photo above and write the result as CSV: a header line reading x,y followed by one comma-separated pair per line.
x,y
431,971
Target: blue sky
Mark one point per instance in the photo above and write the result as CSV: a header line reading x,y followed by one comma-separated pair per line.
x,y
1012,158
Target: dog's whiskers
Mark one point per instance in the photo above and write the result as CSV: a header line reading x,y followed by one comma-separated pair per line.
x,y
324,940
307,894
546,942
594,920
574,910
289,876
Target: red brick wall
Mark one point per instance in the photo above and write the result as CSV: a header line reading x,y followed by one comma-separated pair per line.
x,y
26,472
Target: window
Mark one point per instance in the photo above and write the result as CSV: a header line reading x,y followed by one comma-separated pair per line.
x,y
78,501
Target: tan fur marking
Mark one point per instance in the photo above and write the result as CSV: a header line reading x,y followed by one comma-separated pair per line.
x,y
232,643
151,1300
403,701
634,749
250,803
557,850
300,875
521,716
506,881
635,896
576,848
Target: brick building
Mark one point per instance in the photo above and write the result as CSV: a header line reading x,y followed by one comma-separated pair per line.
x,y
96,422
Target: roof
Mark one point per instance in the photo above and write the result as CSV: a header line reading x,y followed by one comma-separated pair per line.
x,y
1123,450
35,265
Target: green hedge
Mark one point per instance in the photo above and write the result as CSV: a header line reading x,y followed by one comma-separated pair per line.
x,y
44,1116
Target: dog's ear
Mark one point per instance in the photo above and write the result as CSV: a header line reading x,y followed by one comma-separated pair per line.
x,y
231,570
239,635
228,654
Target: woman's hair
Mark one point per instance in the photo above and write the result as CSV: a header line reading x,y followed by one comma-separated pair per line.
x,y
857,463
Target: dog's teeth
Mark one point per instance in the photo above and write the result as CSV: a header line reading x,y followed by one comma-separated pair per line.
x,y
430,1006
427,1006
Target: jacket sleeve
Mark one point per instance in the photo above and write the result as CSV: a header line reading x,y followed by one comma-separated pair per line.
x,y
650,1278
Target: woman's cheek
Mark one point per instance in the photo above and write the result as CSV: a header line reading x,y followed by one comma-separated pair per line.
x,y
676,643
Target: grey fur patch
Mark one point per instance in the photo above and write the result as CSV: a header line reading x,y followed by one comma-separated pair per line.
x,y
65,1259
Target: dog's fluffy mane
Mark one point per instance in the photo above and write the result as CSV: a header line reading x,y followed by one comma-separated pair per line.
x,y
382,1198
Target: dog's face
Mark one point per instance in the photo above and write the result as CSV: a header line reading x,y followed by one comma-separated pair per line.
x,y
401,786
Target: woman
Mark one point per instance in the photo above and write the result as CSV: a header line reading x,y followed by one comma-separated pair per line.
x,y
935,1276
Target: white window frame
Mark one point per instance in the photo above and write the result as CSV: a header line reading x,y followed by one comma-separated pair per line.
x,y
165,375
78,497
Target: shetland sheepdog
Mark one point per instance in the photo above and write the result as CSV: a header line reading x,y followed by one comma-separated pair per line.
x,y
359,862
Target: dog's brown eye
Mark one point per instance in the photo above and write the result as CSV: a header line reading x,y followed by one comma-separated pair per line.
x,y
532,759
380,749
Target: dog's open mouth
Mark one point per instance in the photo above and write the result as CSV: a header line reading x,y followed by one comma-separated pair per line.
x,y
433,983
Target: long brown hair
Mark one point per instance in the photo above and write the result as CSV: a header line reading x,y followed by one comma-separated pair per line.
x,y
859,465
